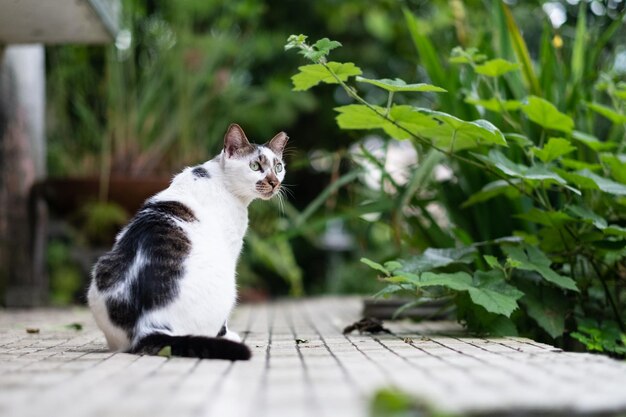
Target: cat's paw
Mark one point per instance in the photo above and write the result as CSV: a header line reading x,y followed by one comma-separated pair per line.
x,y
230,335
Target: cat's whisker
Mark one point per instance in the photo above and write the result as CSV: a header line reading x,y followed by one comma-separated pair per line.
x,y
281,203
288,193
286,190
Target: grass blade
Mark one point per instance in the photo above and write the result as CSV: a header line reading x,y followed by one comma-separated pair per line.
x,y
521,52
440,76
578,50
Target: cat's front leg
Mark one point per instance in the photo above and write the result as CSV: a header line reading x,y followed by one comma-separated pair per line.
x,y
226,333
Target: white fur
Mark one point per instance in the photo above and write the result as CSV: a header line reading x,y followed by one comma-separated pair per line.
x,y
207,292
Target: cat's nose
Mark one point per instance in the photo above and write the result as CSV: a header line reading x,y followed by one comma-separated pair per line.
x,y
273,182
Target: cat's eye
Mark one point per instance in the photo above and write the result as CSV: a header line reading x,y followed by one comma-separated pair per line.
x,y
255,166
278,167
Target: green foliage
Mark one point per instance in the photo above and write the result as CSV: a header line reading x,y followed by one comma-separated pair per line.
x,y
555,148
102,221
533,157
311,75
398,85
607,337
495,67
392,402
546,115
276,254
65,276
162,96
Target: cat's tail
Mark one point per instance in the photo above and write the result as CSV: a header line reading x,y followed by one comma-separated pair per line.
x,y
192,347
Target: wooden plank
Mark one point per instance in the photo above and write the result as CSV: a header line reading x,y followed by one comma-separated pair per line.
x,y
302,365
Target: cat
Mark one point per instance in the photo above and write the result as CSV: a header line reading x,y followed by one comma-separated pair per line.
x,y
169,279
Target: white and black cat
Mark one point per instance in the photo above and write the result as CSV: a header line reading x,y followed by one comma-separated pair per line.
x,y
170,278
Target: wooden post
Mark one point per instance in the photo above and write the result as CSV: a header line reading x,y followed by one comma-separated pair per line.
x,y
22,163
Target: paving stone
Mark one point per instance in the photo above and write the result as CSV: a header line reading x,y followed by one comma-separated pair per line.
x,y
302,365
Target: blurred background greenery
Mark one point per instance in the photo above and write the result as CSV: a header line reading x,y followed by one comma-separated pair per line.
x,y
181,71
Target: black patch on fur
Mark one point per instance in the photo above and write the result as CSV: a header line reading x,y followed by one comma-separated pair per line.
x,y
171,208
222,331
193,347
201,172
163,245
123,314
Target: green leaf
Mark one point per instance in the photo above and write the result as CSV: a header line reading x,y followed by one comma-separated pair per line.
x,y
388,290
375,265
555,148
578,165
359,116
521,51
453,134
546,115
426,50
520,140
492,190
504,164
547,306
410,119
533,259
311,75
587,215
317,52
616,164
578,49
579,180
465,56
591,141
393,265
437,258
546,218
605,336
391,402
399,85
615,230
459,281
492,292
492,261
612,115
603,184
441,129
325,45
537,172
295,41
495,105
496,67
402,279
165,352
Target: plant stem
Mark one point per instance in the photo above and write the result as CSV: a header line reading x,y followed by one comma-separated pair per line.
x,y
506,115
389,103
608,295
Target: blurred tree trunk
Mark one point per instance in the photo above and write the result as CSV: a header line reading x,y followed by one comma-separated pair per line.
x,y
22,162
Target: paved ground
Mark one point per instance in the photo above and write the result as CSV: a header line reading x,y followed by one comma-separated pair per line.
x,y
302,366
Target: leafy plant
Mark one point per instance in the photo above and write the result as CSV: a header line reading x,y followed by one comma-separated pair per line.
x,y
535,156
167,93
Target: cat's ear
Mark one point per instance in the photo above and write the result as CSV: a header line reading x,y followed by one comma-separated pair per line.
x,y
278,142
235,142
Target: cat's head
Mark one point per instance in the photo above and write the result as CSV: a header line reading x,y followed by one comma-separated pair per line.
x,y
253,171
